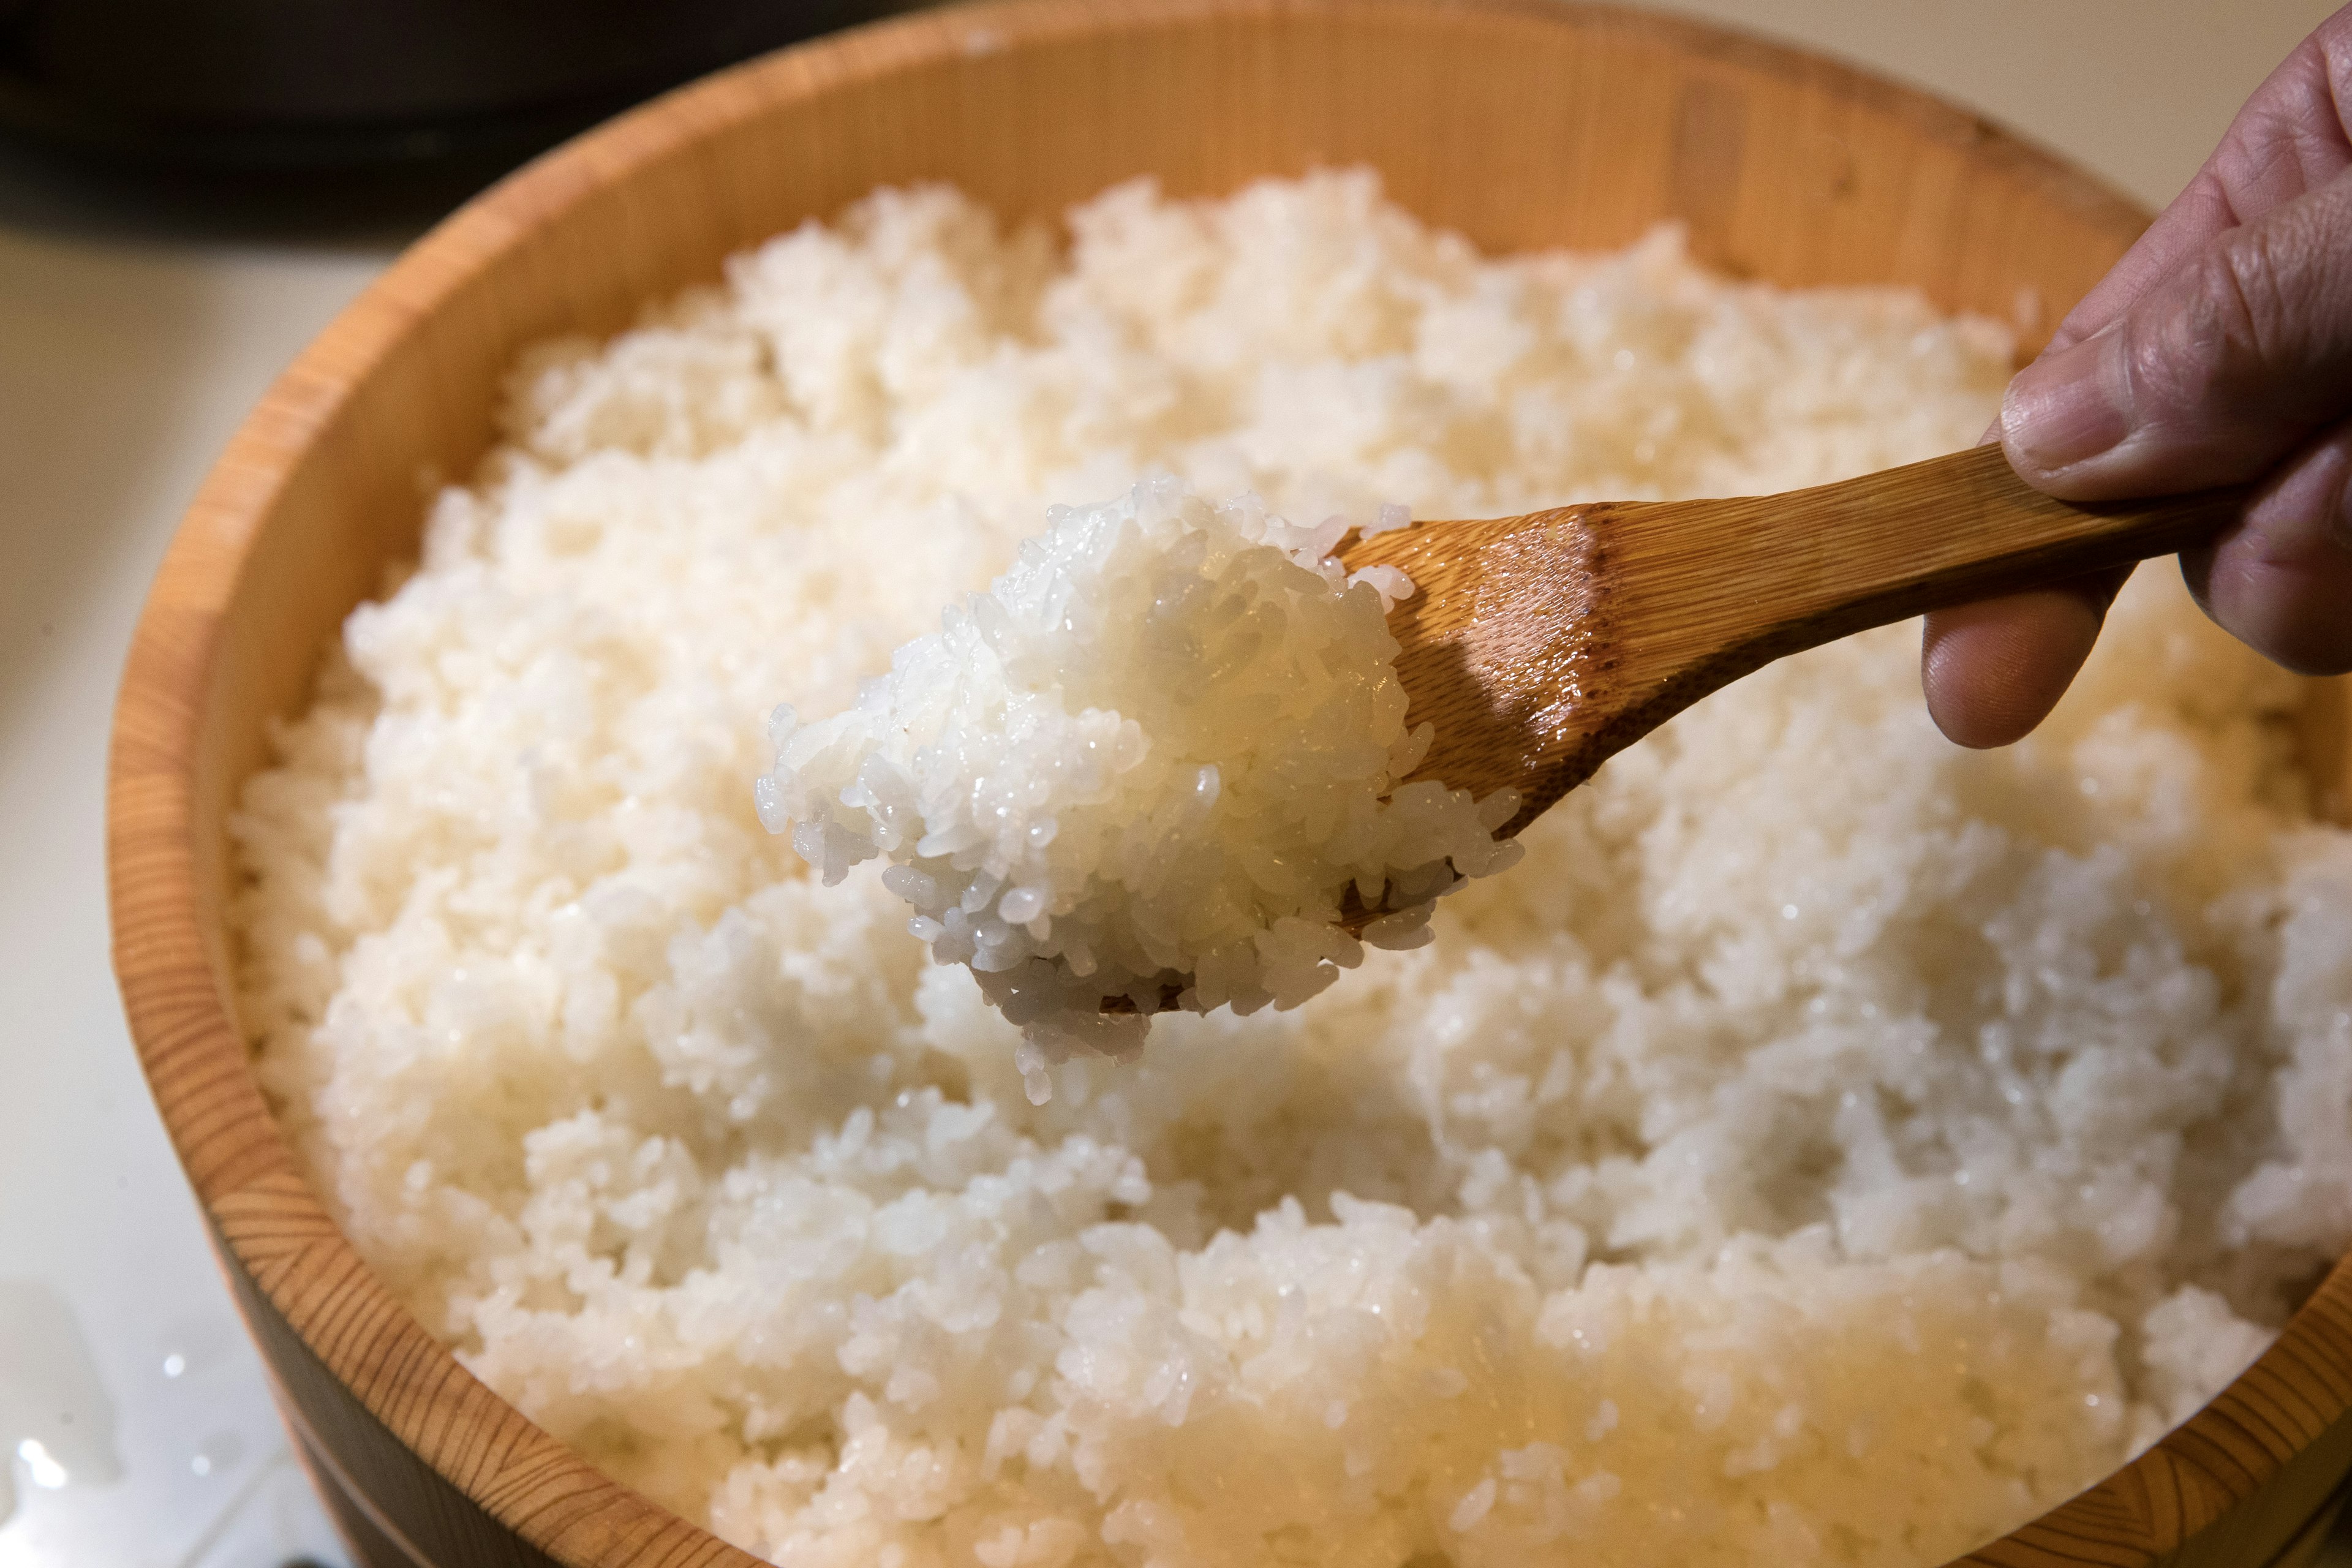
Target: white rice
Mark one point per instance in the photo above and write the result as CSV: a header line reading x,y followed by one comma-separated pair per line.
x,y
1827,1145
1151,758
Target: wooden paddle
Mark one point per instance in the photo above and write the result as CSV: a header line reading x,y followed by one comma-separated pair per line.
x,y
1541,646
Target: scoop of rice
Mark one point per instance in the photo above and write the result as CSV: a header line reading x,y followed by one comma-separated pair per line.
x,y
1155,754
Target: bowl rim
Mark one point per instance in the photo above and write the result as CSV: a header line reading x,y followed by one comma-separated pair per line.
x,y
262,1214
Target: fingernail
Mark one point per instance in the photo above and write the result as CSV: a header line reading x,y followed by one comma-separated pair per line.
x,y
2059,410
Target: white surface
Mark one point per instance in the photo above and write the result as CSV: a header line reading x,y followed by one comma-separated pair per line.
x,y
125,361
124,365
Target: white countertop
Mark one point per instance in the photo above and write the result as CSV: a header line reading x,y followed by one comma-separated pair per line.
x,y
132,1410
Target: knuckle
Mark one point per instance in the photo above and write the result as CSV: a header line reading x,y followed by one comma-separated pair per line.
x,y
2247,287
2210,343
2241,298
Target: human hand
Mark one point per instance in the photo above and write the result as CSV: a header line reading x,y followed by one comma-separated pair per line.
x,y
2217,352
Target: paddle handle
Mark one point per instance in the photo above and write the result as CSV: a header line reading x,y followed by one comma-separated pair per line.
x,y
1790,570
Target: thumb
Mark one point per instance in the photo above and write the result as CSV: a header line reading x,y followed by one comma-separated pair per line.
x,y
2229,362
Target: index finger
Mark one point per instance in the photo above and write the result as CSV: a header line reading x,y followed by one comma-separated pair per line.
x,y
2290,137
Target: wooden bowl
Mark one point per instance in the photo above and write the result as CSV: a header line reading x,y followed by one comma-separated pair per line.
x,y
1523,125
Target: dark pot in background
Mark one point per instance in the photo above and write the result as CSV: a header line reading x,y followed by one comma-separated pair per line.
x,y
267,87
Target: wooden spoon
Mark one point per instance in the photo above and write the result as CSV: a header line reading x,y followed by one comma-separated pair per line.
x,y
1541,646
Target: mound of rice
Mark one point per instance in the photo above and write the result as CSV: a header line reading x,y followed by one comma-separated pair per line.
x,y
1153,755
1827,1145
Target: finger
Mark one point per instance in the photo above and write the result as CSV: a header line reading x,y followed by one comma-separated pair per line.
x,y
2280,580
2290,137
2199,215
2208,378
1994,670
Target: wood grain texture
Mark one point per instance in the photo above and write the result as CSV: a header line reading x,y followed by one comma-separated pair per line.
x,y
1521,124
1540,645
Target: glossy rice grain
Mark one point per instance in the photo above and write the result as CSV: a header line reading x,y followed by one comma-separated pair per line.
x,y
1151,764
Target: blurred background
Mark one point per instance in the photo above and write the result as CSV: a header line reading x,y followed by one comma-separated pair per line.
x,y
188,193
363,109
